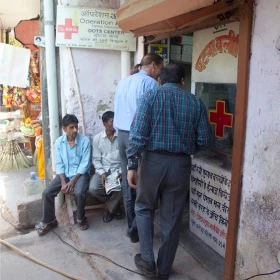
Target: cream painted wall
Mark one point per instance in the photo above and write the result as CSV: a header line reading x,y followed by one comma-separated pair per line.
x,y
12,12
97,73
259,233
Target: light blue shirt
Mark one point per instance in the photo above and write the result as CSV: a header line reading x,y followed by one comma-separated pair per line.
x,y
72,160
127,97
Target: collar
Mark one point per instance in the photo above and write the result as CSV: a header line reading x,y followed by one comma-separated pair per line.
x,y
104,135
64,138
171,85
143,72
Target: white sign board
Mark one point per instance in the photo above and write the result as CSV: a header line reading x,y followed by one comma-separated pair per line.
x,y
91,28
14,65
209,204
215,54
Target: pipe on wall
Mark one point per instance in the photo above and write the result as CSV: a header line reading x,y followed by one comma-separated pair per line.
x,y
49,24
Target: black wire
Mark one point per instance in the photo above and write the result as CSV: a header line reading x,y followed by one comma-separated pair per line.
x,y
262,274
97,255
119,265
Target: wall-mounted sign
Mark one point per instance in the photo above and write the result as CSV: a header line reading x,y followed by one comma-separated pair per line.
x,y
91,28
215,53
209,204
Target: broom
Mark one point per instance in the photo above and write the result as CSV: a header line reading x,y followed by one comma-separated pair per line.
x,y
12,158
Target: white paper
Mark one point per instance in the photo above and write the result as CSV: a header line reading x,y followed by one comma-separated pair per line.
x,y
112,183
14,65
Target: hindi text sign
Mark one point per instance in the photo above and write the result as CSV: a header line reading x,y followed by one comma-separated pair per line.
x,y
209,204
91,28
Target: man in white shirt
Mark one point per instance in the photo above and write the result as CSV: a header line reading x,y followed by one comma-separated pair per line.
x,y
106,161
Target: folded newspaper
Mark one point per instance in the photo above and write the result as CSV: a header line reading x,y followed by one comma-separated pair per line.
x,y
113,183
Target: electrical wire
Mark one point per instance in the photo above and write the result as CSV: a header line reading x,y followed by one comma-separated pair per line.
x,y
97,255
84,253
262,274
119,265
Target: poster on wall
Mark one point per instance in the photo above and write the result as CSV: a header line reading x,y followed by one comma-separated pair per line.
x,y
209,204
14,65
96,28
215,54
160,48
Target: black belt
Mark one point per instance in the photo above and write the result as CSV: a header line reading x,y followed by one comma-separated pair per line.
x,y
169,153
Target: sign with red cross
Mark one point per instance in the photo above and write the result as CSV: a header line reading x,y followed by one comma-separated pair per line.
x,y
68,29
220,118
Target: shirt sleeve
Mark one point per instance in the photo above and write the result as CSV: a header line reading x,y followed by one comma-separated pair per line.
x,y
59,164
205,136
85,162
97,157
140,128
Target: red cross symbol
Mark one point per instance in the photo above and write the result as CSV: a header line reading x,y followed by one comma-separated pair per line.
x,y
220,118
68,28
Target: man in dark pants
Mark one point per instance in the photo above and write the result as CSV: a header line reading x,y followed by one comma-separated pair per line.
x,y
72,163
127,96
169,125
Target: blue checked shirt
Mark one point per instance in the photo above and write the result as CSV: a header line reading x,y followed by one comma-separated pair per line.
x,y
172,120
72,160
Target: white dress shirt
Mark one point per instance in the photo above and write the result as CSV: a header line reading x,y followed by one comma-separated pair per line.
x,y
106,154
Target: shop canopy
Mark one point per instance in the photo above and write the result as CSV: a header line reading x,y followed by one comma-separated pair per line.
x,y
161,19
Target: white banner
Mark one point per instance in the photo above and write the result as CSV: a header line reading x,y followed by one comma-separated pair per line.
x,y
14,65
96,28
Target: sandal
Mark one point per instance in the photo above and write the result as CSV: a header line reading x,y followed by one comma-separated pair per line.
x,y
42,228
84,224
107,216
118,213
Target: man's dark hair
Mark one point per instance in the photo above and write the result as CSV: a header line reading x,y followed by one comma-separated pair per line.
x,y
107,116
67,119
172,73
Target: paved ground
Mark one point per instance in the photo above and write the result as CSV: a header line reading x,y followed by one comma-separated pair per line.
x,y
105,240
108,240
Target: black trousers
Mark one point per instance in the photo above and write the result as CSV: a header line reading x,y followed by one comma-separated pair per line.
x,y
163,177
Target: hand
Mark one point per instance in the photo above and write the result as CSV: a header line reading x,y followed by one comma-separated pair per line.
x,y
64,188
119,176
103,179
132,178
71,186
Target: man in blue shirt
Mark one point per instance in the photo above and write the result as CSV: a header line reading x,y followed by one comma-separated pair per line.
x,y
169,125
127,97
72,164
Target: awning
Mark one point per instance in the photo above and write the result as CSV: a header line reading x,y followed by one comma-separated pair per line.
x,y
158,17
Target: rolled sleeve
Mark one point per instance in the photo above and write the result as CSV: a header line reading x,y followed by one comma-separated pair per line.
x,y
85,162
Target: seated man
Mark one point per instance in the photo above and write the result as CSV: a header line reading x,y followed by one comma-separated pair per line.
x,y
72,164
106,161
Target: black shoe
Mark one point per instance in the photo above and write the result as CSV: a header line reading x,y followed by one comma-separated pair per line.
x,y
134,238
148,268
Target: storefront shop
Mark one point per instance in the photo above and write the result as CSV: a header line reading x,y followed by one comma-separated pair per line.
x,y
212,43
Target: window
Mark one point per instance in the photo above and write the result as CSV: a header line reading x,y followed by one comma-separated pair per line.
x,y
219,100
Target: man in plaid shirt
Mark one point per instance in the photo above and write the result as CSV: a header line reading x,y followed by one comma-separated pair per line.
x,y
170,124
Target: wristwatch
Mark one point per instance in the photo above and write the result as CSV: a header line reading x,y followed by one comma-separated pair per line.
x,y
132,163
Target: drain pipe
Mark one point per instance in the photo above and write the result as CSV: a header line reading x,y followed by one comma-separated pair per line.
x,y
49,24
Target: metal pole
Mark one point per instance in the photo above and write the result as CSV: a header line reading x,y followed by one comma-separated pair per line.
x,y
49,24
